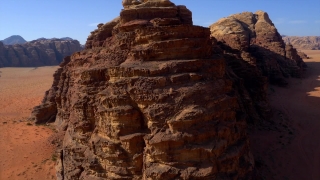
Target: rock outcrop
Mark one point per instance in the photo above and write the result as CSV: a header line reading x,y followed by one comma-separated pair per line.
x,y
147,99
249,84
259,43
303,42
303,55
293,54
43,52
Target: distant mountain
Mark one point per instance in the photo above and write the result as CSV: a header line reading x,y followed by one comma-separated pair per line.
x,y
15,39
41,39
41,52
303,42
66,38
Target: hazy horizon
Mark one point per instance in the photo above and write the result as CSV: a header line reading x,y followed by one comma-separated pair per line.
x,y
33,19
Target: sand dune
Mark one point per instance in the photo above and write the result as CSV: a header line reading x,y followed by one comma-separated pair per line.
x,y
25,149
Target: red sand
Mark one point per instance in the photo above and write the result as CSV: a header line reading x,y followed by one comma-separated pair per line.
x,y
25,149
292,151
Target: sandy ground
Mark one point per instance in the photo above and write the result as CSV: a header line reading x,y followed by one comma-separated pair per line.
x,y
26,152
288,146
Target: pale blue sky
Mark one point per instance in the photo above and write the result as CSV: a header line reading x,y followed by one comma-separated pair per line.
x,y
33,19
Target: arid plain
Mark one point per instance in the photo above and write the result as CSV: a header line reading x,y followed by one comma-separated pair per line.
x,y
285,148
288,146
26,150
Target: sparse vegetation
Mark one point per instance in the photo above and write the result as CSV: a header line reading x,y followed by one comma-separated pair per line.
x,y
54,157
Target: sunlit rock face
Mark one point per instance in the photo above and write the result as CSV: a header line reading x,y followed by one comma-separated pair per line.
x,y
147,100
260,44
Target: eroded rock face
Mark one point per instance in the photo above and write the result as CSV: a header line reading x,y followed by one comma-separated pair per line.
x,y
249,85
260,44
44,52
292,53
147,100
303,55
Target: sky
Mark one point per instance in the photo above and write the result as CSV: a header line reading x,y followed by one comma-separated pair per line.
x,y
33,19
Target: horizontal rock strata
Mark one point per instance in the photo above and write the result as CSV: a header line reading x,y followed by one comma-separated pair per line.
x,y
147,100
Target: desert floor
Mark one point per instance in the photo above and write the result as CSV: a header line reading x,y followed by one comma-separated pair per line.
x,y
288,146
26,151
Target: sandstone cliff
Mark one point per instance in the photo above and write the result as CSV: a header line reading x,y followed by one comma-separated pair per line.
x,y
43,52
258,42
248,82
303,42
147,99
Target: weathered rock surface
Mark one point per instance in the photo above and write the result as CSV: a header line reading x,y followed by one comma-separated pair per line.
x,y
147,100
303,55
303,42
248,82
260,44
43,52
292,53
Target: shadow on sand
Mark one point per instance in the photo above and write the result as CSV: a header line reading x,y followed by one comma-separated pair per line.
x,y
287,146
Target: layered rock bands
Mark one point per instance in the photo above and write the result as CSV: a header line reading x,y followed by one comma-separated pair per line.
x,y
154,97
148,100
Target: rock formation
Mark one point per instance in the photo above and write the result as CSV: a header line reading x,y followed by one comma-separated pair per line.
x,y
43,52
147,100
303,55
15,39
292,53
259,43
303,42
249,84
